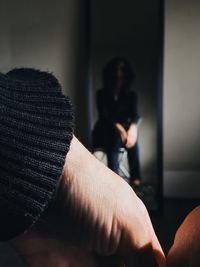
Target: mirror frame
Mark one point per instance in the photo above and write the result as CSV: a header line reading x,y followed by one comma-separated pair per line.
x,y
159,118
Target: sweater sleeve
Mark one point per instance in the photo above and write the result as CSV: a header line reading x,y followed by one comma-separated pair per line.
x,y
36,129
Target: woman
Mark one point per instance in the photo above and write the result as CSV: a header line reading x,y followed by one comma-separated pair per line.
x,y
117,124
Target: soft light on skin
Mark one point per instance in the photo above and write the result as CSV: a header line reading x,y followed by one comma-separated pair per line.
x,y
99,213
129,137
185,251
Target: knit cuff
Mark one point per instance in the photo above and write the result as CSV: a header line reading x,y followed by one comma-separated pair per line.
x,y
36,129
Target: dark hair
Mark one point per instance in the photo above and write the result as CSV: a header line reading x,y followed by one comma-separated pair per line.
x,y
110,75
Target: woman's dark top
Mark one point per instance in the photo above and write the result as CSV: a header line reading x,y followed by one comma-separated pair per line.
x,y
123,111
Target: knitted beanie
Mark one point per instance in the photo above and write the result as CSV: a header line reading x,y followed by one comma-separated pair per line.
x,y
36,128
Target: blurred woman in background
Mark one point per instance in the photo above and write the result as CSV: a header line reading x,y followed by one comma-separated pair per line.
x,y
118,117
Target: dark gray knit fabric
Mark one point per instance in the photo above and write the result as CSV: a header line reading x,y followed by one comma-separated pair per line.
x,y
36,128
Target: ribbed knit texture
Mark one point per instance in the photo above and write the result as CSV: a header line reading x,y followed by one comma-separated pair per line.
x,y
36,126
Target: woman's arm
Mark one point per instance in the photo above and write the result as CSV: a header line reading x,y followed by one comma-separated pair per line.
x,y
97,211
122,132
132,135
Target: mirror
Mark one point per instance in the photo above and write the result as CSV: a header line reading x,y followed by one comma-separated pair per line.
x,y
129,33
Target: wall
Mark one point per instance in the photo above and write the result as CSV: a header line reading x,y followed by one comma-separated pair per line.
x,y
181,98
48,35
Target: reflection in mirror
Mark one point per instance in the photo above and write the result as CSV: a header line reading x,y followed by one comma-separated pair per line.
x,y
126,42
116,130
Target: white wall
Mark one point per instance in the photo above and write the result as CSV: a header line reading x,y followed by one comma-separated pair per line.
x,y
47,35
41,34
181,98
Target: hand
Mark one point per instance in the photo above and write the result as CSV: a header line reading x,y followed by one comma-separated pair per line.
x,y
185,251
131,136
97,212
122,132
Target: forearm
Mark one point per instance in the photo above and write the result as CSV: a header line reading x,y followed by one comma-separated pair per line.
x,y
120,128
132,125
98,212
84,189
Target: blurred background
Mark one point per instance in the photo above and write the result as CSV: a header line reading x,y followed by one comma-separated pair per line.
x,y
66,37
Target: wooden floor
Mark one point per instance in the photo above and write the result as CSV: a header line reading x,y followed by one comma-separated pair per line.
x,y
165,226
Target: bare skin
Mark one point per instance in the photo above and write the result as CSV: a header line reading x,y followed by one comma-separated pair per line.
x,y
122,132
185,251
132,135
97,212
128,137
